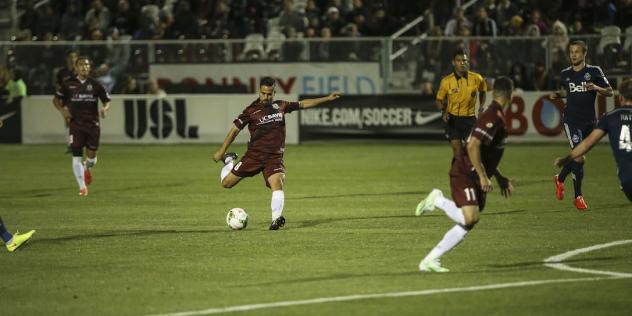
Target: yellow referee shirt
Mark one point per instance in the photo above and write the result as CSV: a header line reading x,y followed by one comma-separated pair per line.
x,y
461,92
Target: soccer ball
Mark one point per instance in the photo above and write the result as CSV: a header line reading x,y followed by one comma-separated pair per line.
x,y
237,218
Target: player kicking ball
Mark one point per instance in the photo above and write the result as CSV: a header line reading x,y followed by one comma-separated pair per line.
x,y
265,119
82,95
470,176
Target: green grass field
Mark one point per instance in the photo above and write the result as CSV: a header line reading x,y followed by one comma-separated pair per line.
x,y
151,236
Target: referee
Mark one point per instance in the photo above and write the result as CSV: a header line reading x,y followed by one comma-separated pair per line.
x,y
459,90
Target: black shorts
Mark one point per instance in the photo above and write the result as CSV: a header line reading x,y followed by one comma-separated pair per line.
x,y
84,134
576,133
459,127
627,189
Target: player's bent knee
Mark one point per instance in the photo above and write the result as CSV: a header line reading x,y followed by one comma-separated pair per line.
x,y
471,215
228,184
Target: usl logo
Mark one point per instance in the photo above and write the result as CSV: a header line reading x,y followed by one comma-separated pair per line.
x,y
577,88
161,117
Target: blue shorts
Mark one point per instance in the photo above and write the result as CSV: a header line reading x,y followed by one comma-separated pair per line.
x,y
576,133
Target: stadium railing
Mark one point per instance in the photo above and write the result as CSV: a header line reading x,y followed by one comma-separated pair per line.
x,y
536,60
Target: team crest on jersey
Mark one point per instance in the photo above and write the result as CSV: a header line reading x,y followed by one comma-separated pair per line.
x,y
587,76
454,90
89,87
275,106
489,125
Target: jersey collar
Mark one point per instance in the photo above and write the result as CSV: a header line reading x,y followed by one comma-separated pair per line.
x,y
457,76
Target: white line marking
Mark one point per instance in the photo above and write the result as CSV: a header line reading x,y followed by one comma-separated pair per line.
x,y
241,308
552,262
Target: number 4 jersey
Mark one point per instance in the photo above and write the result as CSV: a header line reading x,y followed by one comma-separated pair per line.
x,y
618,125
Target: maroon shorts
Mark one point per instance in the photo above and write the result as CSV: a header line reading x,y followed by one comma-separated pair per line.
x,y
465,186
253,163
84,134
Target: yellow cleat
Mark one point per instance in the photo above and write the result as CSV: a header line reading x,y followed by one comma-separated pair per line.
x,y
19,239
431,266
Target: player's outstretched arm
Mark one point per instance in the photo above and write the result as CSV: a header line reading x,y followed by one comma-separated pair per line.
x,y
474,152
582,148
308,103
234,131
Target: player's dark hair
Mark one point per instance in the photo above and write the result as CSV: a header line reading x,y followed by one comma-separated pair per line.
x,y
71,51
579,43
267,81
625,88
503,86
82,58
459,52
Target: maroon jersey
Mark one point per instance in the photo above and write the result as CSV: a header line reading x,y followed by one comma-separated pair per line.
x,y
63,75
82,99
266,123
490,129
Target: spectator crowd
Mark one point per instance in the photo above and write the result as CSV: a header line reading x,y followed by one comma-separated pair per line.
x,y
309,30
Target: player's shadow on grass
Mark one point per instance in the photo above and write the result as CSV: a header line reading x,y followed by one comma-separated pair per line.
x,y
332,277
329,196
71,192
127,233
316,222
37,193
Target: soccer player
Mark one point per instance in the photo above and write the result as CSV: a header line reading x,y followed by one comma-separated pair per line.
x,y
13,241
617,123
470,176
266,122
581,83
459,89
62,75
81,94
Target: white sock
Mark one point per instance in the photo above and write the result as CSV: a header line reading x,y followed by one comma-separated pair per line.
x,y
77,168
90,162
452,238
450,209
225,171
278,199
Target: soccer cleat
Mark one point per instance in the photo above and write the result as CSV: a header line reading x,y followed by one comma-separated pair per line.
x,y
277,223
427,265
229,155
428,204
83,192
18,240
559,193
87,174
580,204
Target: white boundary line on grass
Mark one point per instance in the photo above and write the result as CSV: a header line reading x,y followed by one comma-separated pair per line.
x,y
552,262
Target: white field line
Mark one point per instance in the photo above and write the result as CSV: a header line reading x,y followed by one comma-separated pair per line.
x,y
552,262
